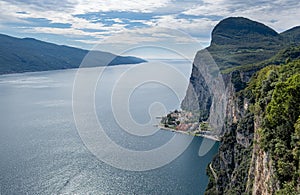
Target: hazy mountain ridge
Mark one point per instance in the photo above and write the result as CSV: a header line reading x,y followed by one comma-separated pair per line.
x,y
28,54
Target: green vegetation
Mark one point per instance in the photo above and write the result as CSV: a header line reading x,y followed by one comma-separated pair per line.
x,y
240,41
237,81
274,100
169,121
286,55
238,158
204,126
245,49
276,90
292,35
242,44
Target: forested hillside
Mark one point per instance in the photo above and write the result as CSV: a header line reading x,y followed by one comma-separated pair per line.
x,y
29,55
259,150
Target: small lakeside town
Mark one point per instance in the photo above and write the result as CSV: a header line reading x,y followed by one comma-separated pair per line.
x,y
186,122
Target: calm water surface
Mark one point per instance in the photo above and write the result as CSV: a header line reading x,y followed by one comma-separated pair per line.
x,y
41,151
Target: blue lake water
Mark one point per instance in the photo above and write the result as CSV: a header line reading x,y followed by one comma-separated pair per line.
x,y
42,152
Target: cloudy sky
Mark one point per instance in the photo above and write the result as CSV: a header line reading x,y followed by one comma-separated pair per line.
x,y
84,23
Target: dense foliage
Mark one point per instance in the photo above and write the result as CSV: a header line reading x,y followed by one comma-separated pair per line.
x,y
273,94
276,90
245,49
288,54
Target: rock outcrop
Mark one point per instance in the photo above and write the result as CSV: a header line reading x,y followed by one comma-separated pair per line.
x,y
241,166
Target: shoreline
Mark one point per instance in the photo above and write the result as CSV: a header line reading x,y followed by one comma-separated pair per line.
x,y
203,133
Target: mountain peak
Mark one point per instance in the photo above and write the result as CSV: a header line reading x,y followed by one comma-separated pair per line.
x,y
234,30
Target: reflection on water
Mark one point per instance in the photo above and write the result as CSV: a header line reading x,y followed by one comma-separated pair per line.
x,y
42,153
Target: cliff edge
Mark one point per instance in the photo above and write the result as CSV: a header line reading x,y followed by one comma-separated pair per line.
x,y
254,61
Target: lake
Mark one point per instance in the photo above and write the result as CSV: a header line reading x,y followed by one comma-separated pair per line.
x,y
42,151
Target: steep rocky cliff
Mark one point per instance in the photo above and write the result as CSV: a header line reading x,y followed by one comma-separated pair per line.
x,y
239,48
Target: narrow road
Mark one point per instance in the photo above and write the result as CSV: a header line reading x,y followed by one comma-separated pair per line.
x,y
213,172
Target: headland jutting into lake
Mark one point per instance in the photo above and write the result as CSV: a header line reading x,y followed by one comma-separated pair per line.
x,y
186,122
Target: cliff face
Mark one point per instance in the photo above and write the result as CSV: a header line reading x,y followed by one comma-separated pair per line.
x,y
233,159
198,96
261,173
241,165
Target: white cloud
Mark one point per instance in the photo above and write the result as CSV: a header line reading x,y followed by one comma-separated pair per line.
x,y
85,6
281,17
90,42
196,27
284,12
279,14
59,31
117,20
163,38
207,8
8,12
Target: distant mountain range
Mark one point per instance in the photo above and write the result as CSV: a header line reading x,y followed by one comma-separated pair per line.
x,y
29,55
